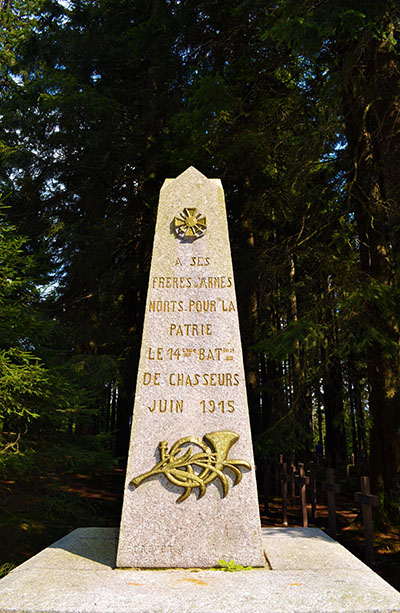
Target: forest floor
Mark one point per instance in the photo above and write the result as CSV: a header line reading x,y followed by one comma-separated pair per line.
x,y
35,514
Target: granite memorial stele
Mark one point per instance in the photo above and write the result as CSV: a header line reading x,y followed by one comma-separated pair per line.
x,y
190,495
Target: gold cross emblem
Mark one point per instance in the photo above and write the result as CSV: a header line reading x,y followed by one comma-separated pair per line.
x,y
190,224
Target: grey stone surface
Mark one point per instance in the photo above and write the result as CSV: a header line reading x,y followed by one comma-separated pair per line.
x,y
83,549
74,575
190,383
306,549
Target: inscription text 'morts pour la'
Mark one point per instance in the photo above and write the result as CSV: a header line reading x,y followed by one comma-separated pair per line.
x,y
197,306
190,467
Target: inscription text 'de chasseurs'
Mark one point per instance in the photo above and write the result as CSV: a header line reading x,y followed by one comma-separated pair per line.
x,y
191,306
180,379
174,406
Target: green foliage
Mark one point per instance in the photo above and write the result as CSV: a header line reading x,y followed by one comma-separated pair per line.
x,y
23,377
231,567
6,568
83,454
57,453
74,510
19,464
34,383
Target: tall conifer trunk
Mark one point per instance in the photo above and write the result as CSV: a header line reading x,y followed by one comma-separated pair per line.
x,y
301,398
249,326
372,121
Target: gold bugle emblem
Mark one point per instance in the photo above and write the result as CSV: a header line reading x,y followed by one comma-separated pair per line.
x,y
178,463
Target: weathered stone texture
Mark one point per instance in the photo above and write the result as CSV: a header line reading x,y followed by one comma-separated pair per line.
x,y
190,383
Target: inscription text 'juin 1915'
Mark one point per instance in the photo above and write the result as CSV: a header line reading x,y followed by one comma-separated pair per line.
x,y
190,495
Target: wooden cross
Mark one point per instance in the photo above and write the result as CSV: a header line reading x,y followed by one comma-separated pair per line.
x,y
349,465
313,490
331,489
292,473
367,501
278,469
302,481
284,481
266,468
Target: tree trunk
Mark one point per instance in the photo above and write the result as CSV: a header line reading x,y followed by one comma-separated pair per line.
x,y
301,399
372,119
249,328
335,442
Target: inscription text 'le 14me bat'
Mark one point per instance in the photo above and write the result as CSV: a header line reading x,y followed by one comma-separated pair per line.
x,y
190,494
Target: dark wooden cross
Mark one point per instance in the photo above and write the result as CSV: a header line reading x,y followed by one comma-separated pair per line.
x,y
313,489
266,469
331,488
278,469
349,466
367,501
292,473
302,481
284,482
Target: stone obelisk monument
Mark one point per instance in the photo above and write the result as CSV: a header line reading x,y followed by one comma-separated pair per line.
x,y
190,494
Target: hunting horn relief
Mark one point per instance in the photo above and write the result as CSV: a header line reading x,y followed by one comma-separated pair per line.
x,y
177,464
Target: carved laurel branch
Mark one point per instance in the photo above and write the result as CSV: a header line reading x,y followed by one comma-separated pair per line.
x,y
211,462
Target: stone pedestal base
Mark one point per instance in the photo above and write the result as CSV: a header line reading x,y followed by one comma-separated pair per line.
x,y
307,572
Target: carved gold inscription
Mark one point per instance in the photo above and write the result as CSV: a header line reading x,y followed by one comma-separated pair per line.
x,y
202,306
171,282
227,306
199,261
191,306
181,379
194,261
165,306
166,406
151,378
174,379
189,282
213,379
190,329
177,464
202,354
224,406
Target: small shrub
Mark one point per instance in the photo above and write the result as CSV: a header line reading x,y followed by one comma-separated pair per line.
x,y
231,567
19,465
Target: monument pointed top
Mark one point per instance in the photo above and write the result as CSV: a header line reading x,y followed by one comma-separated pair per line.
x,y
191,172
191,176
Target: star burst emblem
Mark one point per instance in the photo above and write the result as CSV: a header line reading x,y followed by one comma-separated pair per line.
x,y
190,224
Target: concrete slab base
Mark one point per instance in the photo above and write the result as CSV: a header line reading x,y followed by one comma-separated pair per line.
x,y
307,572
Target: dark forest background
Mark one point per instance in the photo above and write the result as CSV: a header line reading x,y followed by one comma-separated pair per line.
x,y
295,105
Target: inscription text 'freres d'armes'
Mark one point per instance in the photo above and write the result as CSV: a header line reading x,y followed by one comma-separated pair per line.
x,y
190,493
